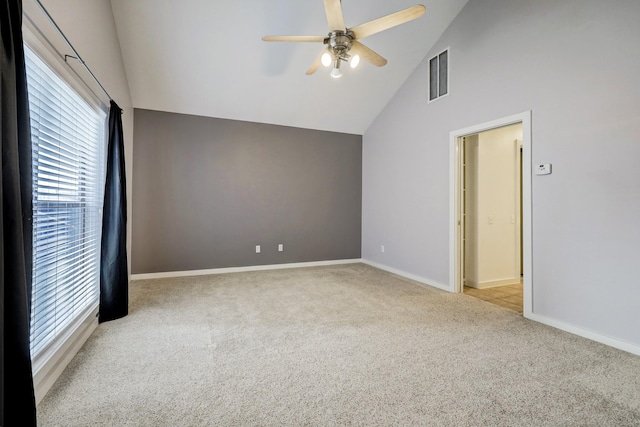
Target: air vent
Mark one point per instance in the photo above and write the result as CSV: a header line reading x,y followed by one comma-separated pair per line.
x,y
439,75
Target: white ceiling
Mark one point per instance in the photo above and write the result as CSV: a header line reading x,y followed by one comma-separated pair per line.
x,y
206,57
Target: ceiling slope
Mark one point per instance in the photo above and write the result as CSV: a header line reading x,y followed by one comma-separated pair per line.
x,y
207,58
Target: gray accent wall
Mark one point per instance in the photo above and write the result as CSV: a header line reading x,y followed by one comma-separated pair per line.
x,y
575,65
206,191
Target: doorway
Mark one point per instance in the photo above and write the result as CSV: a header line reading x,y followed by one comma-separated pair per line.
x,y
491,212
491,216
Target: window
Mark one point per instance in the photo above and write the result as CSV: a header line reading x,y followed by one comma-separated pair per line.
x,y
439,75
68,140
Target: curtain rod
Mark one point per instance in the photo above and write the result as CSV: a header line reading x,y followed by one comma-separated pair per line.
x,y
77,55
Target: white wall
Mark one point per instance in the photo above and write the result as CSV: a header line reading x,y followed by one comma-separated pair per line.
x,y
492,225
575,65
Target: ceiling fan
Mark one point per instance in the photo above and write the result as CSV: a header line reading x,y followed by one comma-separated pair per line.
x,y
342,43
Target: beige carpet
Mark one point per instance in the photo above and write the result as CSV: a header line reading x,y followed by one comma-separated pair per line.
x,y
335,346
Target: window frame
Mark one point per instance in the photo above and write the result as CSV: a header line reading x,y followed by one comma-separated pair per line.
x,y
49,363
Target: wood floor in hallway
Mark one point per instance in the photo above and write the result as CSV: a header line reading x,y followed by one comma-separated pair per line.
x,y
509,296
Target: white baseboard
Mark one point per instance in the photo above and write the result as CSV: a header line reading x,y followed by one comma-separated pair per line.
x,y
48,366
492,283
603,339
414,277
167,274
594,336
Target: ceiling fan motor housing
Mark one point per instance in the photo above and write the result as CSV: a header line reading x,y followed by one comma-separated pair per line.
x,y
340,43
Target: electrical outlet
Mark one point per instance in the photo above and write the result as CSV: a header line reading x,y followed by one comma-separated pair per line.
x,y
280,247
382,248
257,249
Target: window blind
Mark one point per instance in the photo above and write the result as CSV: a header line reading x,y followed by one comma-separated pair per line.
x,y
68,141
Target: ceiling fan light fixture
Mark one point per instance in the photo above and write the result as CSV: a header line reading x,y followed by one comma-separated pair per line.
x,y
354,61
326,59
336,73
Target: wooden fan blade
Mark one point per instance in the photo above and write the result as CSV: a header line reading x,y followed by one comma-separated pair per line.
x,y
334,15
316,64
372,27
367,54
306,39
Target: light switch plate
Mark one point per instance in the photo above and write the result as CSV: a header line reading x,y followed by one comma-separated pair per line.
x,y
543,169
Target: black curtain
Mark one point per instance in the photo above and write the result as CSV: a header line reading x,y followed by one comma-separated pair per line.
x,y
114,278
17,397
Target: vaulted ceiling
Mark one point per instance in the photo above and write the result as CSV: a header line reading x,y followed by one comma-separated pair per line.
x,y
206,57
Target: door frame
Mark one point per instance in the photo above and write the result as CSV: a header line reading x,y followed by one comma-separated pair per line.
x,y
456,256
